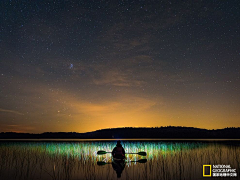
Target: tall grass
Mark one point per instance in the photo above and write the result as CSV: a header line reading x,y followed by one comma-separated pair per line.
x,y
78,160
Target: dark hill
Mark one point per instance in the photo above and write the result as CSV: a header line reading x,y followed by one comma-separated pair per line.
x,y
129,132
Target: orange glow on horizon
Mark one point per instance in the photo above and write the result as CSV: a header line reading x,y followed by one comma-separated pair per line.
x,y
65,113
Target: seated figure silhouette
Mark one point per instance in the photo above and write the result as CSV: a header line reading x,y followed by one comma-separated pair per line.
x,y
118,163
118,151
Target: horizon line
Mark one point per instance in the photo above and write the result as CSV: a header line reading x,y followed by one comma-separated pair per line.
x,y
117,128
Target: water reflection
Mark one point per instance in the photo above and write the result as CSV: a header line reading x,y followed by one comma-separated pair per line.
x,y
118,167
78,160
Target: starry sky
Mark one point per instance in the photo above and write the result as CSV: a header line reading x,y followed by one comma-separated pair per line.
x,y
79,66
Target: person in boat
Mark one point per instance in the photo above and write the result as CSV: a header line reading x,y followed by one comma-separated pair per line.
x,y
119,163
118,151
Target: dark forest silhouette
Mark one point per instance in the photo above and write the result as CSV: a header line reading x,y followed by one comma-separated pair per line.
x,y
131,132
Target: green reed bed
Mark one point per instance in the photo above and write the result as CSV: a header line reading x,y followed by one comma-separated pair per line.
x,y
78,160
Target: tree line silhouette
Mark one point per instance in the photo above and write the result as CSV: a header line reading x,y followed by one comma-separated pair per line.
x,y
133,132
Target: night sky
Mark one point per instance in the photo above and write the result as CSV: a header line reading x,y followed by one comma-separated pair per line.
x,y
86,65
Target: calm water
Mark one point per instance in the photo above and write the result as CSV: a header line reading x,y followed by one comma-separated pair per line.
x,y
78,159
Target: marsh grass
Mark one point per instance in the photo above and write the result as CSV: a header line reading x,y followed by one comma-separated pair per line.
x,y
78,160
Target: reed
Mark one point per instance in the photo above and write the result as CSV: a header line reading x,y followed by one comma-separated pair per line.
x,y
78,160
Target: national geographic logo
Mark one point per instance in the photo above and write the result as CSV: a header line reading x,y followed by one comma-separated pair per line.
x,y
207,170
219,170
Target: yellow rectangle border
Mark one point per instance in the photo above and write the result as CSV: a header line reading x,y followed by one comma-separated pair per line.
x,y
204,171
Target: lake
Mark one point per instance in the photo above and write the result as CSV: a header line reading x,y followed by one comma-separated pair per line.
x,y
78,159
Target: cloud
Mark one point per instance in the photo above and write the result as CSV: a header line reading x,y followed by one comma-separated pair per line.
x,y
116,78
10,111
124,104
17,128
